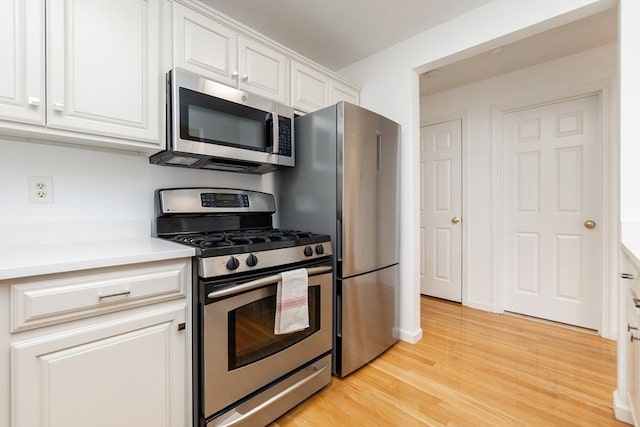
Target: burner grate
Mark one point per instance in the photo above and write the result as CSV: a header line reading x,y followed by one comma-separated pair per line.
x,y
240,237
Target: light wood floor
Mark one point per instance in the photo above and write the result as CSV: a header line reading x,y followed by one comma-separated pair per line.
x,y
474,368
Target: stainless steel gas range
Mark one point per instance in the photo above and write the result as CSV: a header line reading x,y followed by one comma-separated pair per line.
x,y
244,373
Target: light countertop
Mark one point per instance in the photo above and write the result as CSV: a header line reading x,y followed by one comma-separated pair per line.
x,y
32,260
30,249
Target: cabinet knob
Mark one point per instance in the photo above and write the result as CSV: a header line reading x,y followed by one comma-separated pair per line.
x,y
234,74
35,101
58,106
245,78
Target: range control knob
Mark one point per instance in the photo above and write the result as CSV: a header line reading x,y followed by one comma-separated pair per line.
x,y
233,263
252,260
319,249
308,251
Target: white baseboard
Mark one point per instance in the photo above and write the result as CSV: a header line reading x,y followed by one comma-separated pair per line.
x,y
480,306
621,408
408,336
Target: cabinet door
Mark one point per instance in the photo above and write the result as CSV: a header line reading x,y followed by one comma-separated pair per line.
x,y
342,92
309,88
130,372
204,46
22,61
263,70
104,68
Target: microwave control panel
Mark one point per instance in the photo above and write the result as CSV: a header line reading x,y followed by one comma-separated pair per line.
x,y
285,135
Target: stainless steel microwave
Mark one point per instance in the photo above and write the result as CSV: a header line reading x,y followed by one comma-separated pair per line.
x,y
214,126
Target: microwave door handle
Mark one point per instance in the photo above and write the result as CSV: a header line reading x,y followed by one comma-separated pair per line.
x,y
276,133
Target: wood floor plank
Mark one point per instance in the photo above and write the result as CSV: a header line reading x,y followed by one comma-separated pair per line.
x,y
474,368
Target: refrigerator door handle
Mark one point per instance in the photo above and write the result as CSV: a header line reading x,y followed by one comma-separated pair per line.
x,y
378,150
339,316
338,243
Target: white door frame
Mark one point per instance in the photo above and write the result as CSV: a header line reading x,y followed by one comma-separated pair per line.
x,y
462,116
609,149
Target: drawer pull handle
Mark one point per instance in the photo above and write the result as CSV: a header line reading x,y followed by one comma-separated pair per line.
x,y
627,276
119,294
633,338
636,302
631,328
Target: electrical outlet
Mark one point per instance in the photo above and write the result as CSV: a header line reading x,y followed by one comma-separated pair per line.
x,y
40,189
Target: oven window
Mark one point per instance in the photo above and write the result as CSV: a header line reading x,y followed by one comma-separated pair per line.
x,y
251,336
213,120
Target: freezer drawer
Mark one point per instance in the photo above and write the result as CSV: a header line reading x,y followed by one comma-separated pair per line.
x,y
366,311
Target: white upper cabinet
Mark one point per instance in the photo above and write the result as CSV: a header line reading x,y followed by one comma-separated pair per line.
x,y
103,68
204,46
263,70
309,88
343,92
92,72
22,61
312,89
103,82
211,49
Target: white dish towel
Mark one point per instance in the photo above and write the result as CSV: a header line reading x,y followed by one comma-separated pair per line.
x,y
292,307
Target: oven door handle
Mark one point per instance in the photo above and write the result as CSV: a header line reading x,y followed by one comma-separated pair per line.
x,y
258,283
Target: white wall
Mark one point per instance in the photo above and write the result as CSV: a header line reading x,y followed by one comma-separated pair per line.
x,y
475,102
390,86
630,109
92,185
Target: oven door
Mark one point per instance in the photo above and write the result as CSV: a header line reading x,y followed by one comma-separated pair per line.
x,y
241,354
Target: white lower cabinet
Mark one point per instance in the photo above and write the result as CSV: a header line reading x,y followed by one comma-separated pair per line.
x,y
121,360
629,339
129,372
633,356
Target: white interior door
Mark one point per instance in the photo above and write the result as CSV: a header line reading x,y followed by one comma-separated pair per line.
x,y
552,207
441,210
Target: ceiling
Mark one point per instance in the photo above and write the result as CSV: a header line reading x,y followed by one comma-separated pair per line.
x,y
337,33
577,36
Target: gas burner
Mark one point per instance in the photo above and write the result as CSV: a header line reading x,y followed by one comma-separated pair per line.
x,y
245,238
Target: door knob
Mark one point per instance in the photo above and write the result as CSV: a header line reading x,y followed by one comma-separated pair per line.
x,y
455,220
590,224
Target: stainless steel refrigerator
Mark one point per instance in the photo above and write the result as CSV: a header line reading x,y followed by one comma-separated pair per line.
x,y
345,184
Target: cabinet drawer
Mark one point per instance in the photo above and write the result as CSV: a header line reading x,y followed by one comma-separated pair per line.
x,y
63,297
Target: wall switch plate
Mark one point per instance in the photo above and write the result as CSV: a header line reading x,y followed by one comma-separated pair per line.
x,y
40,189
